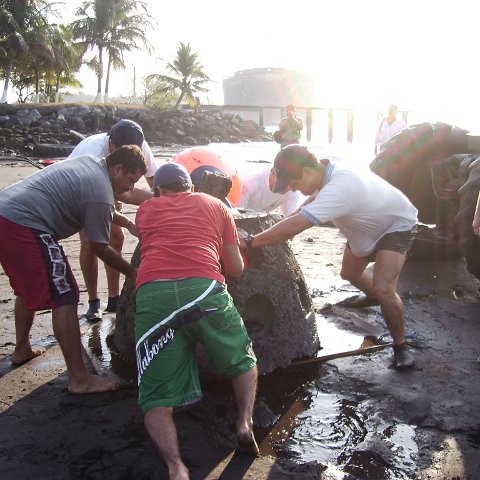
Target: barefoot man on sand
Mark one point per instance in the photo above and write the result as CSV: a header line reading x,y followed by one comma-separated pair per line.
x,y
50,205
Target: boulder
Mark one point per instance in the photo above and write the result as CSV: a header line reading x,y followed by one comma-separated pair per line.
x,y
271,296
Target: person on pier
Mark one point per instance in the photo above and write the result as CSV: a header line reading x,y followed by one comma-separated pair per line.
x,y
388,127
289,130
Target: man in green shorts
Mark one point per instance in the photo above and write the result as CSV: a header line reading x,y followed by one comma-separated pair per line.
x,y
182,299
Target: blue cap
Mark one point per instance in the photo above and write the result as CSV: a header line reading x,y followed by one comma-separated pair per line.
x,y
170,173
126,132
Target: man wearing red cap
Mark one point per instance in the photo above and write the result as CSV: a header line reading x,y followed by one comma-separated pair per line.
x,y
378,221
124,132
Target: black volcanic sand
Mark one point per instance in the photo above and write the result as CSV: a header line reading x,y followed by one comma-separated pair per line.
x,y
422,424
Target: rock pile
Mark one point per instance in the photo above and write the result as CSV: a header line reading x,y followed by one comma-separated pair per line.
x,y
21,126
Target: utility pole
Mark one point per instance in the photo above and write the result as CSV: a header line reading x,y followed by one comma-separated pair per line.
x,y
134,99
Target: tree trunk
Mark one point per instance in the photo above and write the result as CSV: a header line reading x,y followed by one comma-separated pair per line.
x,y
8,73
57,85
107,81
99,97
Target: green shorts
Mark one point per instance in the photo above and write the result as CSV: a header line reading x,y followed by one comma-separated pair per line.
x,y
171,377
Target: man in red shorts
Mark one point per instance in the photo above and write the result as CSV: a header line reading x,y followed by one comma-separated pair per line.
x,y
182,299
50,205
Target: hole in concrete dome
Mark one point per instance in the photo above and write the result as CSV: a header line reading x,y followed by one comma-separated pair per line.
x,y
258,316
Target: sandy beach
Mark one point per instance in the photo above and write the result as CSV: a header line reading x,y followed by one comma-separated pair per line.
x,y
421,424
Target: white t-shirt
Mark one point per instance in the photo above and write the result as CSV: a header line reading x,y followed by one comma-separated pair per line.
x,y
362,205
385,131
97,145
256,195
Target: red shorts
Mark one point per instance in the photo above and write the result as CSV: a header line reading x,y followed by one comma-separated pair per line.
x,y
37,267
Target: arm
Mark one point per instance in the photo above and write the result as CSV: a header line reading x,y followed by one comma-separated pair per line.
x,y
283,124
476,218
299,123
113,259
124,222
232,261
135,196
280,232
150,160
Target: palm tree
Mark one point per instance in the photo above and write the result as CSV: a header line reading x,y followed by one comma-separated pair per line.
x,y
112,27
67,58
129,31
23,27
92,29
188,77
49,71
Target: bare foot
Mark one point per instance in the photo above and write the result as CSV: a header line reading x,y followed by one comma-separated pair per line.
x,y
92,384
246,442
19,358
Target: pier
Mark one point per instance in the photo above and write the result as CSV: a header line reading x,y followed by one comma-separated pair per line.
x,y
331,119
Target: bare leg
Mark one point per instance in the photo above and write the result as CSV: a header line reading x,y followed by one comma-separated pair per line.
x,y
23,323
161,429
89,266
113,276
353,270
388,266
245,387
67,331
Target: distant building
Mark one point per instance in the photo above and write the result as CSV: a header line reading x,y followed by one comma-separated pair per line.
x,y
274,87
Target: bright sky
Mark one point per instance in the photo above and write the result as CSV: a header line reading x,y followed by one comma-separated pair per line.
x,y
420,54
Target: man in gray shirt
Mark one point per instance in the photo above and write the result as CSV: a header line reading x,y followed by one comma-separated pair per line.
x,y
35,214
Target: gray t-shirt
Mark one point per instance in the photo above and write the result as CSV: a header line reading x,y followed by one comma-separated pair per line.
x,y
62,199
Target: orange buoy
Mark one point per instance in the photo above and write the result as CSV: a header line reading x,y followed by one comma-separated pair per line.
x,y
47,161
198,160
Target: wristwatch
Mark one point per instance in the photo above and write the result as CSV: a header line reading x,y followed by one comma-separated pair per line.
x,y
248,240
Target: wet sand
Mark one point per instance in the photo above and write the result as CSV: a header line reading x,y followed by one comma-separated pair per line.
x,y
352,414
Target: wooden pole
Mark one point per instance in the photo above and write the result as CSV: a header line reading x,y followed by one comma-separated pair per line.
x,y
350,118
330,125
309,124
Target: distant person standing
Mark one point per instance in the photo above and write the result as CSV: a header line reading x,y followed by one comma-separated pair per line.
x,y
290,127
388,127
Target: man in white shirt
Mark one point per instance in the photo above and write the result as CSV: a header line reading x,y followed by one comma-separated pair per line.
x,y
388,127
124,132
378,221
257,194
